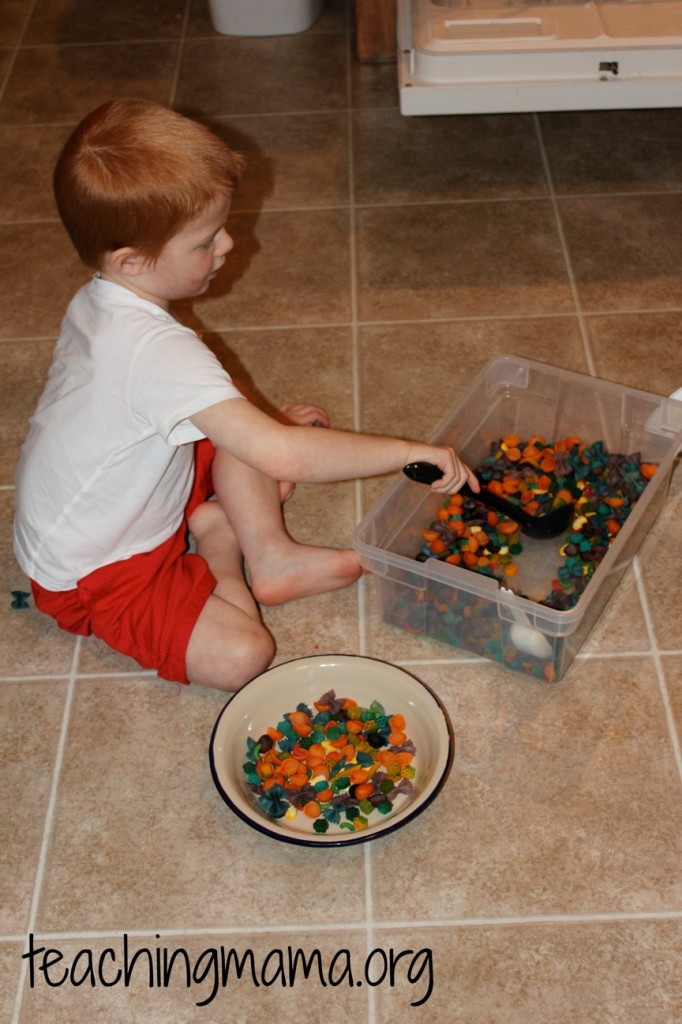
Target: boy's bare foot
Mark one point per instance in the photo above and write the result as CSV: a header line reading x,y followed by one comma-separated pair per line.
x,y
300,570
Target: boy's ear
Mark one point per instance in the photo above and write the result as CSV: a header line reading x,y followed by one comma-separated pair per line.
x,y
126,262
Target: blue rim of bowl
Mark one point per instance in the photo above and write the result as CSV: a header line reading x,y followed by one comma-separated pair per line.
x,y
353,839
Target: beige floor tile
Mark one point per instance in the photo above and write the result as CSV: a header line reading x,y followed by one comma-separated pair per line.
x,y
324,624
322,513
639,350
305,72
622,253
14,17
623,972
30,723
285,268
643,153
374,84
672,670
26,364
6,57
199,20
659,554
297,161
562,799
267,988
621,625
31,644
336,16
439,159
10,968
59,21
413,375
96,658
676,481
142,839
309,365
27,159
39,263
473,259
57,84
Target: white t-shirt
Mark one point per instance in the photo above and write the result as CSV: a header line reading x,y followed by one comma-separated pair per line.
x,y
107,466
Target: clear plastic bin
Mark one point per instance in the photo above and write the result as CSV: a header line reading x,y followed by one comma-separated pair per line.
x,y
471,611
263,17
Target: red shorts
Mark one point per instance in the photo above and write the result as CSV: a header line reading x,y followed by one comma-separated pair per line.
x,y
145,606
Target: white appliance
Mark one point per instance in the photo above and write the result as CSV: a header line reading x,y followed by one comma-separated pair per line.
x,y
484,56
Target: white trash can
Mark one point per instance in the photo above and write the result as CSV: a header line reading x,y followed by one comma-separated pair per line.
x,y
263,17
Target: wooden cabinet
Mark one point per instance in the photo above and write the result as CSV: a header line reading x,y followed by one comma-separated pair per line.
x,y
375,29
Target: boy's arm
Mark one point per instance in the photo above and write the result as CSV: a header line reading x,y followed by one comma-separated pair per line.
x,y
310,455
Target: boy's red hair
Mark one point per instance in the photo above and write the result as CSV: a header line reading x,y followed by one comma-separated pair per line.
x,y
133,173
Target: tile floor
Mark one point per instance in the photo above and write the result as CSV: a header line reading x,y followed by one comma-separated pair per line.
x,y
380,261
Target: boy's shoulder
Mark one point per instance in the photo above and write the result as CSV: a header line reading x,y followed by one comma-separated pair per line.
x,y
107,325
102,294
102,307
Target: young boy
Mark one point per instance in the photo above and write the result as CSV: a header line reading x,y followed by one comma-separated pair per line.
x,y
139,425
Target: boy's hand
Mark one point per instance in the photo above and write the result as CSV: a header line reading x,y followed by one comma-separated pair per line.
x,y
304,415
455,472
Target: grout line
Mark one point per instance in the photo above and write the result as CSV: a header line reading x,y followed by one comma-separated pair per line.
x,y
267,115
462,201
231,328
581,656
660,673
564,247
49,822
501,921
355,354
539,919
605,655
47,678
242,329
540,198
361,599
369,928
477,201
444,662
108,44
16,48
35,679
31,221
180,53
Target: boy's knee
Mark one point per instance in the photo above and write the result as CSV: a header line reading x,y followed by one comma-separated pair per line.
x,y
250,655
234,659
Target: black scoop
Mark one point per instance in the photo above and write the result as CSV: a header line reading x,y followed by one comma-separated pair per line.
x,y
551,524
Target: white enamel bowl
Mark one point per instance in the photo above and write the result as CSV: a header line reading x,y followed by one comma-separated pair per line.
x,y
264,701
